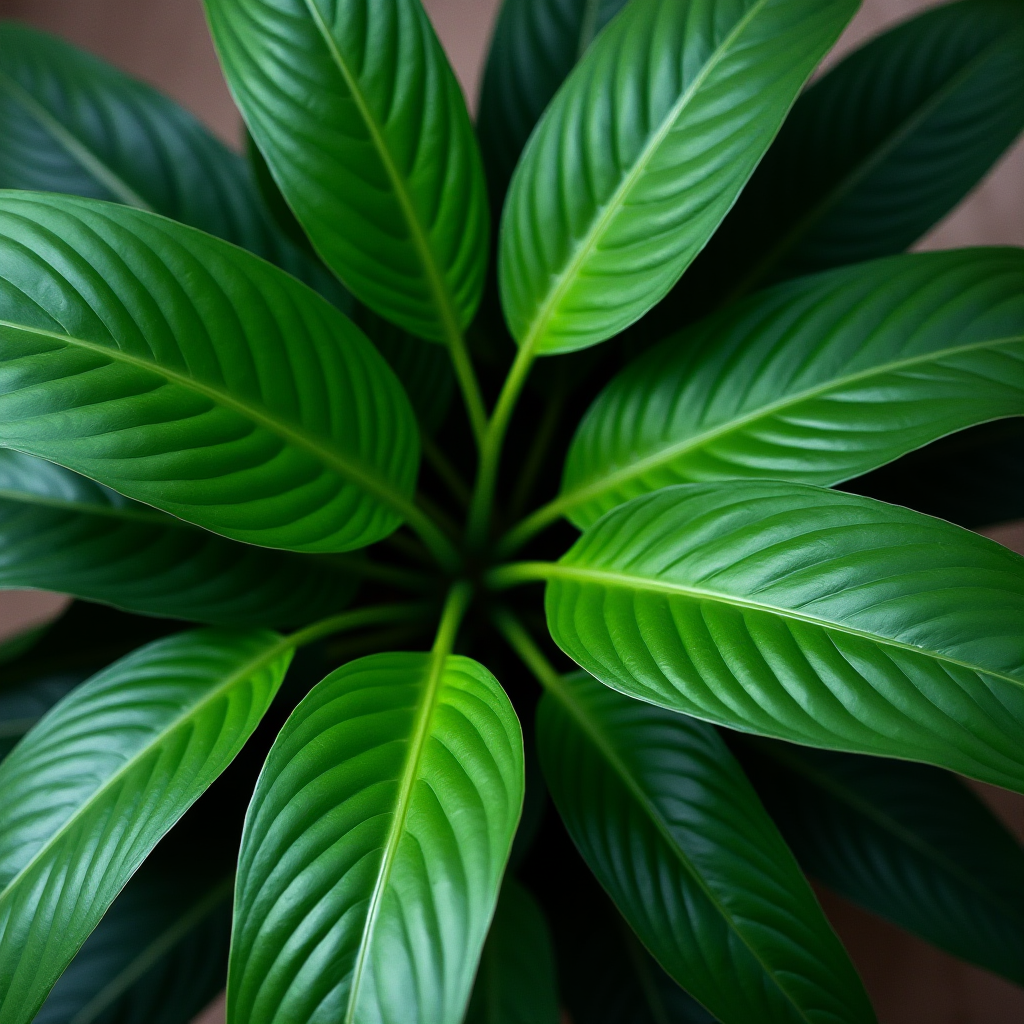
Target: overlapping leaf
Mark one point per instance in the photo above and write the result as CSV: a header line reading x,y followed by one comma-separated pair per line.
x,y
95,784
668,823
375,844
642,153
364,127
190,375
910,842
807,614
818,380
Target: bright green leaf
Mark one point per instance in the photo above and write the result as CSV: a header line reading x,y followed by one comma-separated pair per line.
x,y
190,375
364,128
814,616
817,380
375,844
672,829
60,531
908,841
91,789
641,154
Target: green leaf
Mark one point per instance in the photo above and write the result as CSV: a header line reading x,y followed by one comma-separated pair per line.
x,y
190,375
60,531
668,823
364,128
516,980
817,380
158,956
91,789
814,616
907,841
641,154
375,844
534,46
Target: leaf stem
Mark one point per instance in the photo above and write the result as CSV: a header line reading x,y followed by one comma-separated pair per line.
x,y
455,606
355,619
519,639
514,574
526,529
465,375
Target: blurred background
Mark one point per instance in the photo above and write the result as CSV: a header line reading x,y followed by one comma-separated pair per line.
x,y
165,42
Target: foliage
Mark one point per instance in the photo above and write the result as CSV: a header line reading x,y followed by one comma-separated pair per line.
x,y
218,379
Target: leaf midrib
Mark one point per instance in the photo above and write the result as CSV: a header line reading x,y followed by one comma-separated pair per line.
x,y
624,581
581,495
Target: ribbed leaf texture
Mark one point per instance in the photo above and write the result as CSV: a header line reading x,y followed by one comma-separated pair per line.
x,y
73,123
91,789
374,846
364,127
666,820
515,983
817,380
534,46
641,155
60,531
807,614
190,375
158,956
908,841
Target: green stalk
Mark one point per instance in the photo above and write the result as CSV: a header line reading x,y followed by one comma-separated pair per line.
x,y
519,639
517,573
468,384
529,527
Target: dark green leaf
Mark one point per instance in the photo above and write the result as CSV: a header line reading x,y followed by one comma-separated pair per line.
x,y
818,380
642,153
668,823
807,614
276,204
364,128
60,531
193,376
910,842
374,846
91,789
23,704
158,956
516,980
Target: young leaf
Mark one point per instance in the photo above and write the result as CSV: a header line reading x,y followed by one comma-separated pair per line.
x,y
907,841
91,789
374,846
193,376
364,128
814,616
516,980
60,531
666,820
817,380
642,153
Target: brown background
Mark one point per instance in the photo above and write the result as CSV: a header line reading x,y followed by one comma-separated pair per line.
x,y
165,42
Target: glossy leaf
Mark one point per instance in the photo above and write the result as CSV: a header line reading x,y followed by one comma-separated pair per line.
x,y
807,614
374,846
534,46
642,153
515,983
364,128
91,789
668,823
159,955
907,841
190,375
60,531
818,380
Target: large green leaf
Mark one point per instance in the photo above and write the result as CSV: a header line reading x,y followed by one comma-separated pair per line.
x,y
193,376
158,956
60,531
364,128
668,823
908,841
641,154
807,614
374,846
534,46
91,789
516,980
818,380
